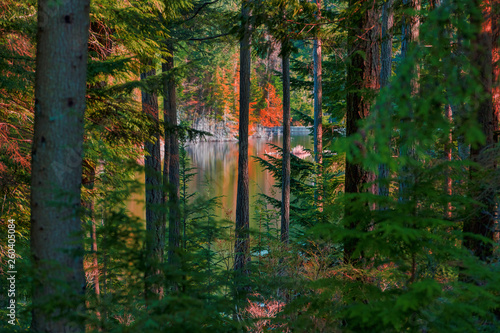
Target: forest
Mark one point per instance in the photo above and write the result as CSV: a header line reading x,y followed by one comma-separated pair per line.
x,y
386,222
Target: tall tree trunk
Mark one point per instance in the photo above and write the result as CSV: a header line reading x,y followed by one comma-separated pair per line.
x,y
242,237
170,112
411,26
285,190
483,220
362,76
152,162
385,75
318,112
495,89
56,239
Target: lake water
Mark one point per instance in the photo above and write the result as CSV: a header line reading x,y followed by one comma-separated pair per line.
x,y
216,165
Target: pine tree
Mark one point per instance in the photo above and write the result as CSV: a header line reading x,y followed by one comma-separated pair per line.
x,y
152,162
56,240
362,80
242,236
285,182
318,100
483,221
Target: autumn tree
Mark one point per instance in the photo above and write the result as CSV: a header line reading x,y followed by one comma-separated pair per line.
x,y
270,115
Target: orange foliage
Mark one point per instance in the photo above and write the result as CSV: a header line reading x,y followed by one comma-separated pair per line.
x,y
271,115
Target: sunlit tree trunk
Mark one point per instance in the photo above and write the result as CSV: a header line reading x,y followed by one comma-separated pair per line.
x,y
483,220
285,190
362,76
318,112
56,230
242,241
152,163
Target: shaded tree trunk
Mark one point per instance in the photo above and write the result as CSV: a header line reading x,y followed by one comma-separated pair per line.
x,y
152,162
495,30
448,151
318,112
362,76
411,25
172,160
56,230
385,75
285,190
242,237
483,220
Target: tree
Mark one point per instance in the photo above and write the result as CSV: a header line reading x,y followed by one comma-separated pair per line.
x,y
155,232
318,96
242,236
285,184
270,115
385,75
362,80
482,222
56,238
411,26
170,116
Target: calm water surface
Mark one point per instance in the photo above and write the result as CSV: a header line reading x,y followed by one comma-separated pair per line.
x,y
216,165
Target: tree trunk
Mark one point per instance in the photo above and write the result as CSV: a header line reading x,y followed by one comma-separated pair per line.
x,y
152,162
385,75
411,25
495,29
362,76
448,151
285,190
242,237
318,112
56,239
170,107
483,220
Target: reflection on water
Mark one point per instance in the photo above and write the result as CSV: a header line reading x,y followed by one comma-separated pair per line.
x,y
217,167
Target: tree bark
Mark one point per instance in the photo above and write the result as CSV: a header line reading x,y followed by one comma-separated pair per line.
x,y
495,30
285,190
152,162
242,237
385,75
171,135
362,76
448,150
483,220
411,25
56,230
318,112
